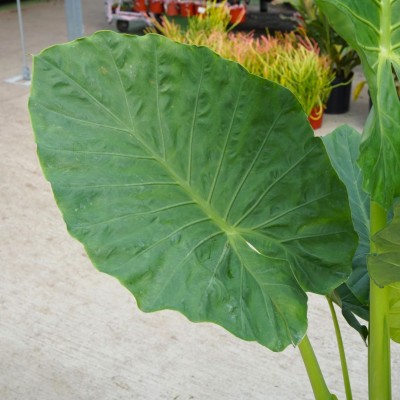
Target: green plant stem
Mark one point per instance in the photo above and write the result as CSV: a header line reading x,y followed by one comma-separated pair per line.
x,y
318,384
379,370
343,362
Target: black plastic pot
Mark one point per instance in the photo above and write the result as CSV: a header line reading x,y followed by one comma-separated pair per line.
x,y
339,99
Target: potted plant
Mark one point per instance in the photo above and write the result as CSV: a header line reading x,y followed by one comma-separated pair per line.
x,y
294,61
290,59
342,56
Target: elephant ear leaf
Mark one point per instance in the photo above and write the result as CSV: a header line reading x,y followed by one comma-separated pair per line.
x,y
196,184
372,28
384,265
342,146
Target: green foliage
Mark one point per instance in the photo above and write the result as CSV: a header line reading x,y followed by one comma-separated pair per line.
x,y
372,28
394,313
342,146
351,307
191,181
342,57
384,265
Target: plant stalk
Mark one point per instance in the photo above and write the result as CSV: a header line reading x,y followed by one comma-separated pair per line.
x,y
379,369
343,362
318,384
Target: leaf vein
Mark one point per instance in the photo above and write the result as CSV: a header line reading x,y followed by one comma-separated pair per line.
x,y
158,210
249,170
189,174
225,249
87,122
158,105
264,224
359,18
118,185
180,229
99,153
120,81
176,269
89,95
219,167
312,236
263,194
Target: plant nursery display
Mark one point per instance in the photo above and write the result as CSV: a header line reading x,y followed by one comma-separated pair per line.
x,y
201,187
125,12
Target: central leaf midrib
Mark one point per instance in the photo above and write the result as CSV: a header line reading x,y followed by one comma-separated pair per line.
x,y
385,22
187,188
204,205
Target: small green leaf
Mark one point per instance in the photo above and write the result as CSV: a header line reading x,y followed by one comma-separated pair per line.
x,y
372,28
384,265
351,306
394,311
196,184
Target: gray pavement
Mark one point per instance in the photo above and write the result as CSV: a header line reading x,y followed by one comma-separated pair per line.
x,y
68,332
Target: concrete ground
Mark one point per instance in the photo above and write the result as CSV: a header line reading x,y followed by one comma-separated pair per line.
x,y
68,332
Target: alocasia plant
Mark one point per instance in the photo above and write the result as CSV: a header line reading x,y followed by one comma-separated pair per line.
x,y
202,189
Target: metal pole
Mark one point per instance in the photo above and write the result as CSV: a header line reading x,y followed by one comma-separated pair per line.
x,y
73,10
26,74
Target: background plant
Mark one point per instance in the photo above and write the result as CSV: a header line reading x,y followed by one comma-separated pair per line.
x,y
343,58
294,62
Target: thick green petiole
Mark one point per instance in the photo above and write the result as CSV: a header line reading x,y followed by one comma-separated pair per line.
x,y
319,387
345,371
379,371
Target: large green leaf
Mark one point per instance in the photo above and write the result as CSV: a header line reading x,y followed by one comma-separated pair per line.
x,y
196,184
342,146
394,311
384,265
373,29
